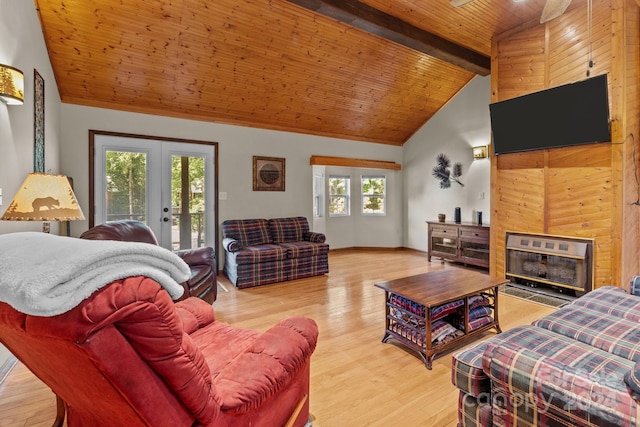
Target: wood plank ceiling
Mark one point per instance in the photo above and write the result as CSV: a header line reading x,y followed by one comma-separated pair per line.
x,y
272,64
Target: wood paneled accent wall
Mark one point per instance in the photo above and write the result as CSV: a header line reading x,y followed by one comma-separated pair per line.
x,y
589,191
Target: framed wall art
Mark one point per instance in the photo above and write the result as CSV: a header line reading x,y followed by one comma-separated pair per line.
x,y
38,122
268,173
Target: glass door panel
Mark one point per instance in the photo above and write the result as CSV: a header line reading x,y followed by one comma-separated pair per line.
x,y
126,185
188,206
188,191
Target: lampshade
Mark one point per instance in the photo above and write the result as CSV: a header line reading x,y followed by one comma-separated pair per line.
x,y
44,197
11,85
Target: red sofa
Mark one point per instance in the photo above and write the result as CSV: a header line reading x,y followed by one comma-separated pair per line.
x,y
129,356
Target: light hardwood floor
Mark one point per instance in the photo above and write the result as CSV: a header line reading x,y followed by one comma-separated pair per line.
x,y
356,380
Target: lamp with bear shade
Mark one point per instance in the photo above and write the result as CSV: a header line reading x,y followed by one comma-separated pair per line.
x,y
44,197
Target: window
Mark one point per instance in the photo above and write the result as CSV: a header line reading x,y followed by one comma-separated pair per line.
x,y
373,195
339,196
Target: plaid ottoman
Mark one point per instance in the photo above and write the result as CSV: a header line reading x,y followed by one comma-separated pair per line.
x,y
474,403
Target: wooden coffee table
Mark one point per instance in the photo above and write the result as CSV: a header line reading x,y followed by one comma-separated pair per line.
x,y
410,302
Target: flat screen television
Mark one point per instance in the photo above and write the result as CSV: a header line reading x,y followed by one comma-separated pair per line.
x,y
572,114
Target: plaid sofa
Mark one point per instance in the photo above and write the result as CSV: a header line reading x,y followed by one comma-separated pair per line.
x,y
261,251
579,366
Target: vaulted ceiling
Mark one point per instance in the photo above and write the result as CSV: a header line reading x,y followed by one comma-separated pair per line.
x,y
374,70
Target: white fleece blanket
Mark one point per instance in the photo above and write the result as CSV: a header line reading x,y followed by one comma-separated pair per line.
x,y
45,275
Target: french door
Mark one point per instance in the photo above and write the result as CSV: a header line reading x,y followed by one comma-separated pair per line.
x,y
166,184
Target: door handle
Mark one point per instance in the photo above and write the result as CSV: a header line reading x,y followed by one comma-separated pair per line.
x,y
165,219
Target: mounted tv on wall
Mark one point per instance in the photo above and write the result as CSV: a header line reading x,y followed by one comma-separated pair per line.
x,y
572,114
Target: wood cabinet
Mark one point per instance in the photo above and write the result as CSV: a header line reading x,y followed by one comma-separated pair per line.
x,y
465,242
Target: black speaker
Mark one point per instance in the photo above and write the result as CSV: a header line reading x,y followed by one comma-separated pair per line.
x,y
456,216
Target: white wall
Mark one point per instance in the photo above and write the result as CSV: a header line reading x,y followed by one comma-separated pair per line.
x,y
237,146
460,125
357,230
22,46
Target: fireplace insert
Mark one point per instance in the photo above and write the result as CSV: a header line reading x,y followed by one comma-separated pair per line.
x,y
559,262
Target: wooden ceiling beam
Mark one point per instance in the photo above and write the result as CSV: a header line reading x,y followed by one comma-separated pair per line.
x,y
354,163
389,27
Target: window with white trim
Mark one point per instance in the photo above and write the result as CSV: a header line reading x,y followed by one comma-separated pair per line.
x,y
339,195
373,192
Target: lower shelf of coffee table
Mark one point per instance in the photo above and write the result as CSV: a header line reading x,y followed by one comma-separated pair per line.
x,y
410,323
427,352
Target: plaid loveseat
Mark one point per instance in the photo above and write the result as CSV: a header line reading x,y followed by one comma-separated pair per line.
x,y
579,366
263,251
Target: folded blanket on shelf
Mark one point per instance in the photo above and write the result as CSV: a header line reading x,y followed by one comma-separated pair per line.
x,y
44,275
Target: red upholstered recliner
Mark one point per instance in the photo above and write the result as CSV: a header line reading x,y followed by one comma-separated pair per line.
x,y
129,356
203,281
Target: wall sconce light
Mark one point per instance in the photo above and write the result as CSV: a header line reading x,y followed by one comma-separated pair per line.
x,y
480,152
44,197
11,85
